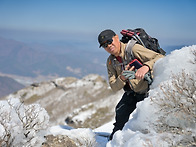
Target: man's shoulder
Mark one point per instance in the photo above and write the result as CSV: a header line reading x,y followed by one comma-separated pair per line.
x,y
110,60
111,56
123,45
138,47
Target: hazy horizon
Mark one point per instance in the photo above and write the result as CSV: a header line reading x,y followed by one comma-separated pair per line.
x,y
172,22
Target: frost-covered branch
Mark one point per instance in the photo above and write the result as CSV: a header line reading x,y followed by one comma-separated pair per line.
x,y
177,102
6,136
21,124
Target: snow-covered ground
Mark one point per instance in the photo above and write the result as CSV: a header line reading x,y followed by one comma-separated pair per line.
x,y
88,134
139,131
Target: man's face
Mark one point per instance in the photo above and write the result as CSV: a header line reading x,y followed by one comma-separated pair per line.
x,y
114,47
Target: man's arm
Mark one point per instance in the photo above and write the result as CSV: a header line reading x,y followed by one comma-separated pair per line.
x,y
116,80
147,57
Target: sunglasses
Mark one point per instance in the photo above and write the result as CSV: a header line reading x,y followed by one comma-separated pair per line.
x,y
106,43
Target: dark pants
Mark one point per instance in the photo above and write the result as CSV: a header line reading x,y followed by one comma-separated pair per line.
x,y
124,108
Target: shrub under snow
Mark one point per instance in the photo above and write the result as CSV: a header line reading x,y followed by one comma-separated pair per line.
x,y
178,107
22,125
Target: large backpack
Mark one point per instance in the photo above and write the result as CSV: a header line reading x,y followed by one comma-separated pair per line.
x,y
141,37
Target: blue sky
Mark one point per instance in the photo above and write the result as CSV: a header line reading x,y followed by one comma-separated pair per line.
x,y
173,22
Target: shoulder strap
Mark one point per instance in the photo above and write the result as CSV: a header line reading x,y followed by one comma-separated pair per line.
x,y
139,40
128,50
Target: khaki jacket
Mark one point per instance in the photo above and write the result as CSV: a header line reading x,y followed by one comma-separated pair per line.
x,y
146,56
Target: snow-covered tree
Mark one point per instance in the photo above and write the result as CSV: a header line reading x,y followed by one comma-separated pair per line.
x,y
22,125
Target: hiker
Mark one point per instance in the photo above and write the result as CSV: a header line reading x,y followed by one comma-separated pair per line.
x,y
135,89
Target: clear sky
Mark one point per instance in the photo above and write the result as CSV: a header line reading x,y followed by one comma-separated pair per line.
x,y
173,22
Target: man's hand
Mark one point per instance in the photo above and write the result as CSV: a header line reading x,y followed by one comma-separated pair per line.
x,y
141,72
122,76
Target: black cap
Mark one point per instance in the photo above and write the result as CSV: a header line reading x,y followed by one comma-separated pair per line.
x,y
105,35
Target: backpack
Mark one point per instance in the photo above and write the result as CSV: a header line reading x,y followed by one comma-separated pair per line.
x,y
142,38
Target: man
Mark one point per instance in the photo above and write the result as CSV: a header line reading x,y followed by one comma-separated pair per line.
x,y
135,89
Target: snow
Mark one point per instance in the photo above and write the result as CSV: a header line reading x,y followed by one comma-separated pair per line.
x,y
140,130
82,135
174,63
83,116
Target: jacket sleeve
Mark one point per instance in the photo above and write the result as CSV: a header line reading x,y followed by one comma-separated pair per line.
x,y
114,78
146,56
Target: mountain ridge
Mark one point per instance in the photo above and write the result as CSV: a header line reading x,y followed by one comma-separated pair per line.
x,y
9,85
22,59
67,97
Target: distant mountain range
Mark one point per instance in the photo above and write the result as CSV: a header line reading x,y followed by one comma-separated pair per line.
x,y
18,58
8,85
62,59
